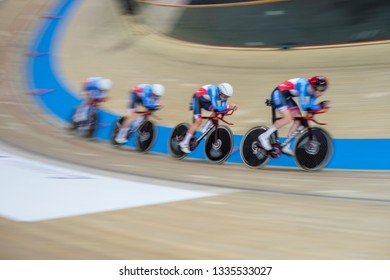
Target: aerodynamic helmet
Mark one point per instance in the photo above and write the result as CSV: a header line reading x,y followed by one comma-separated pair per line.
x,y
319,83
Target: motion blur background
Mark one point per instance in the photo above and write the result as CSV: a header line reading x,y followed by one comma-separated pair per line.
x,y
268,23
223,211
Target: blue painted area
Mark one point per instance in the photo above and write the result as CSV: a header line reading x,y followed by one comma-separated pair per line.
x,y
371,154
58,100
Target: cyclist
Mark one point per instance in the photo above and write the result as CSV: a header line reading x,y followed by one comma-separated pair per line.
x,y
307,91
94,90
210,98
145,95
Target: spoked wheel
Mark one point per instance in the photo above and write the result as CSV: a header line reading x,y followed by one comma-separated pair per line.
x,y
313,149
146,135
252,154
177,135
92,123
218,149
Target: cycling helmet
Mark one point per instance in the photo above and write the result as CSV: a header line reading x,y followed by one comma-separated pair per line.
x,y
158,89
226,89
104,84
319,83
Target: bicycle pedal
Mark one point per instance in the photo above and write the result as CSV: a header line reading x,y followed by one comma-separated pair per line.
x,y
276,150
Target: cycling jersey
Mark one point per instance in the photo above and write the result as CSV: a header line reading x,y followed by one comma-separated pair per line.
x,y
298,87
143,95
91,89
207,97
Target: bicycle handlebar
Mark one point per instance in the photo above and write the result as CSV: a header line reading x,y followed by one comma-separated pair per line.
x,y
227,112
311,113
316,112
222,114
148,112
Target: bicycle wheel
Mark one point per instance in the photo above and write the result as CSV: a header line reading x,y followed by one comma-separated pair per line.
x,y
73,124
117,126
177,135
252,154
93,123
147,133
218,150
313,149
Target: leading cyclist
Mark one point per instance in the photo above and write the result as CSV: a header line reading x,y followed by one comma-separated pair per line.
x,y
307,91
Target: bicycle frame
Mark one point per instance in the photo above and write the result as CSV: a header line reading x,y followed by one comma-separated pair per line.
x,y
145,117
219,116
304,120
95,102
312,150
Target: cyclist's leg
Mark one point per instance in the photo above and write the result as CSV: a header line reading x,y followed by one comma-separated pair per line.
x,y
286,118
295,112
81,113
279,99
196,108
130,117
209,122
198,104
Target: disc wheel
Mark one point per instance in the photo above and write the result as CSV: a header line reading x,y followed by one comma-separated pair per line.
x,y
93,123
146,135
73,124
313,149
218,149
117,126
177,135
252,154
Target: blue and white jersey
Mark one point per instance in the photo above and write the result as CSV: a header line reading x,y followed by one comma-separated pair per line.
x,y
210,93
92,90
299,87
143,94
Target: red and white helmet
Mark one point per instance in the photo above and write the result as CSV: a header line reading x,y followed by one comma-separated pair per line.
x,y
319,83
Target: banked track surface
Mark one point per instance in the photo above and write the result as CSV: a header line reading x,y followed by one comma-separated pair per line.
x,y
266,207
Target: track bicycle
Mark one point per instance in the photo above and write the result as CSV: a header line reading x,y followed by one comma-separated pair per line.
x,y
312,150
145,129
219,138
86,126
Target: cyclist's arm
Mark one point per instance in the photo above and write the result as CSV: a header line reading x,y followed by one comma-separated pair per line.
x,y
312,106
150,104
214,101
307,104
147,101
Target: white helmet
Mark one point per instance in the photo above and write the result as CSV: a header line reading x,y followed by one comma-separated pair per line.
x,y
158,89
226,89
104,84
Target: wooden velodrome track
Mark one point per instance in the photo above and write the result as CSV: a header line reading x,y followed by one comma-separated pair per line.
x,y
273,213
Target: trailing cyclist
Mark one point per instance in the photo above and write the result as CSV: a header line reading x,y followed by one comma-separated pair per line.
x,y
94,91
307,91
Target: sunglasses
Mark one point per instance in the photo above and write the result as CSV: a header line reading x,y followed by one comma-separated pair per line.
x,y
321,88
223,95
